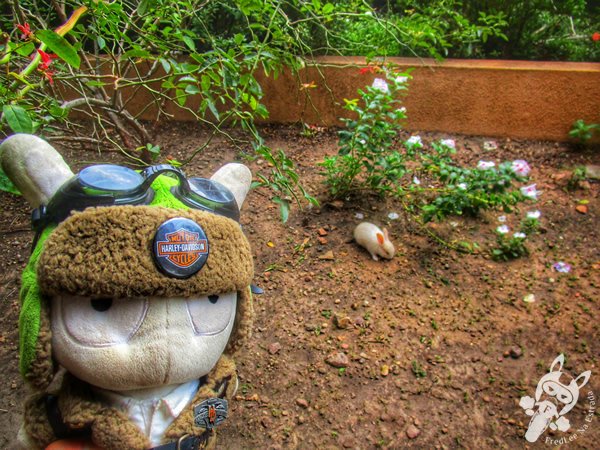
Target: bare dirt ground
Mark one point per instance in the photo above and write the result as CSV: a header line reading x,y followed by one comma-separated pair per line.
x,y
438,347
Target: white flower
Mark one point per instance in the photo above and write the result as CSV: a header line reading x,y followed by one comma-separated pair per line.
x,y
416,180
402,109
502,219
362,141
519,235
502,229
484,165
462,186
448,143
530,192
401,79
414,140
393,216
359,216
490,145
562,267
534,214
381,84
520,167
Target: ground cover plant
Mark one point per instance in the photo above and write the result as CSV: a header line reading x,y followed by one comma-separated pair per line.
x,y
371,158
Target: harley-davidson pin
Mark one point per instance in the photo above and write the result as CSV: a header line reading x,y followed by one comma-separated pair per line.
x,y
210,413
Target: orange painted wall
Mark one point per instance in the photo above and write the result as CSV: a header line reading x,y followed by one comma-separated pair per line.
x,y
519,99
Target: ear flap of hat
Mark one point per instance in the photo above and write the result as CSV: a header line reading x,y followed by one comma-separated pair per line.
x,y
242,328
35,338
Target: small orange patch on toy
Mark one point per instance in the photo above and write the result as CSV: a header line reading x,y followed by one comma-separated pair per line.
x,y
380,238
212,414
73,444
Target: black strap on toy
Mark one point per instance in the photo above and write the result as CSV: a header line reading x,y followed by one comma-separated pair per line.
x,y
187,442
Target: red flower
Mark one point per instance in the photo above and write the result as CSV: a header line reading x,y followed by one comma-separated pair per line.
x,y
27,34
368,69
46,60
48,74
596,37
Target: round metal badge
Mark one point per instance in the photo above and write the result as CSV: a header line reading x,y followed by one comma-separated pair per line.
x,y
180,247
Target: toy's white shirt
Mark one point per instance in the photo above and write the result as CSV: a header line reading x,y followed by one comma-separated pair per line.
x,y
153,411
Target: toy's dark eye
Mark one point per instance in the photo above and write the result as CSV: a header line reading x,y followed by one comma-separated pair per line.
x,y
101,304
213,298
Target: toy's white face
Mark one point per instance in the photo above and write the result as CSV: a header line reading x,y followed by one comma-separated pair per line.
x,y
125,344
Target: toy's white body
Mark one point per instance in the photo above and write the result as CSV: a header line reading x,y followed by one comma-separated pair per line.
x,y
375,240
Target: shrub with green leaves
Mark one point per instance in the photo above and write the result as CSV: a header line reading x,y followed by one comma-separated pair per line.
x,y
366,157
371,158
94,57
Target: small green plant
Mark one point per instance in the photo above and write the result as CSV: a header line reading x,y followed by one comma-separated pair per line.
x,y
531,223
326,313
418,370
582,131
366,158
283,180
509,247
577,176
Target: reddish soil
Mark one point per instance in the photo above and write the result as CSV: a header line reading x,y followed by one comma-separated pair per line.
x,y
440,345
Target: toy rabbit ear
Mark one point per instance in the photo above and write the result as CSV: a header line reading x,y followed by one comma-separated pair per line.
x,y
585,376
560,359
380,238
386,234
34,166
237,178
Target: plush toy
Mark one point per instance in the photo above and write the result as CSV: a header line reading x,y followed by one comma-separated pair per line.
x,y
136,295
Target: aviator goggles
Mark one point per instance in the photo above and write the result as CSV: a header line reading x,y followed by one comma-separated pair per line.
x,y
108,185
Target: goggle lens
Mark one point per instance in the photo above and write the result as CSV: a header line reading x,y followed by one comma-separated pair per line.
x,y
110,178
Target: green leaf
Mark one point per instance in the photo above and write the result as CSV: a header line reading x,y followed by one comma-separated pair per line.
x,y
101,42
17,119
26,49
205,81
165,65
189,42
192,89
180,96
212,108
238,38
144,6
6,185
328,8
136,53
60,46
284,208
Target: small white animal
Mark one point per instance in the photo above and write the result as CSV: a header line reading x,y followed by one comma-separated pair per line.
x,y
377,242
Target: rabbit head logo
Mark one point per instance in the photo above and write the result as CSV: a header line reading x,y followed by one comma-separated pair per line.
x,y
556,394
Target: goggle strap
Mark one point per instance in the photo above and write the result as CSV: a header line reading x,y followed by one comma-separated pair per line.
x,y
151,173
